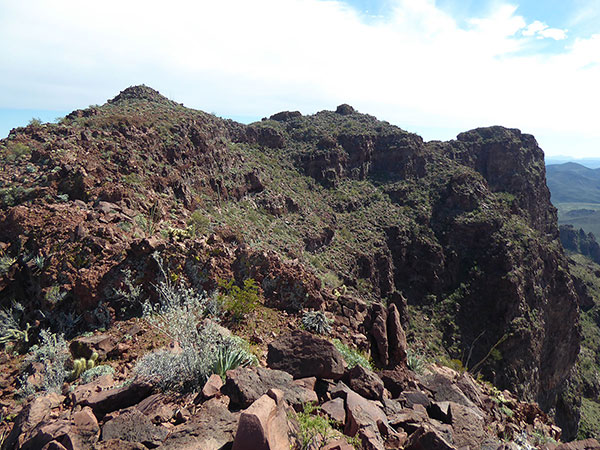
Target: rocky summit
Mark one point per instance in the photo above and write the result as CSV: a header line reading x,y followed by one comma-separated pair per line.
x,y
170,279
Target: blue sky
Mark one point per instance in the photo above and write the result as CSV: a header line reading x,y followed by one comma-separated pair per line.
x,y
433,67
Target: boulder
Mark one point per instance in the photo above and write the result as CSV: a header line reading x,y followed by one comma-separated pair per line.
x,y
426,438
468,426
246,385
133,426
212,427
212,386
365,382
264,426
335,409
114,399
156,408
37,412
303,354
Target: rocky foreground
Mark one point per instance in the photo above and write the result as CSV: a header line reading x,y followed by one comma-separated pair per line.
x,y
256,408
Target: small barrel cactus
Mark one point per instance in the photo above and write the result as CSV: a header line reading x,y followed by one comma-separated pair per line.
x,y
317,322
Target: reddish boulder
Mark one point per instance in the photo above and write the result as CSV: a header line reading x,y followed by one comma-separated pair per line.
x,y
263,426
303,354
365,382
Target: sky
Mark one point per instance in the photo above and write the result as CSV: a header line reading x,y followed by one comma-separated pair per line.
x,y
434,67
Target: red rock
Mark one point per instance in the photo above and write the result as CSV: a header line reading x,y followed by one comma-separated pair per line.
x,y
303,354
113,399
396,338
365,382
426,438
263,426
335,409
86,423
338,444
586,444
212,386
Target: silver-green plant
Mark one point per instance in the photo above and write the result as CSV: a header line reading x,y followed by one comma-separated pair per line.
x,y
317,322
351,356
53,353
98,371
10,330
179,315
6,261
415,362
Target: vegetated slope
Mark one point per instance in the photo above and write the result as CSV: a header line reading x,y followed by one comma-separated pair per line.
x,y
460,235
573,183
575,192
586,274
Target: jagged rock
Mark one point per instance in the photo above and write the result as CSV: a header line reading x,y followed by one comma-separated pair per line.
x,y
83,391
131,425
83,347
263,426
335,409
86,425
411,398
365,382
303,354
212,427
586,444
444,387
212,386
426,438
37,412
379,332
156,408
113,399
441,411
408,419
246,385
468,426
396,338
361,413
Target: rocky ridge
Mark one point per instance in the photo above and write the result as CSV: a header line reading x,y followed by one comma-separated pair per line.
x,y
332,212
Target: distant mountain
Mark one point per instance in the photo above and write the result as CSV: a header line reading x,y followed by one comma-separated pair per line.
x,y
591,163
573,182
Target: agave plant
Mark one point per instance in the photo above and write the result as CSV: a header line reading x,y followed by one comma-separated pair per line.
x,y
231,357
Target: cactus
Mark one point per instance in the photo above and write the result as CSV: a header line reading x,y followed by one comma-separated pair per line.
x,y
80,365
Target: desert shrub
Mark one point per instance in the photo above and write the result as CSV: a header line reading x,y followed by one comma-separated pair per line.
x,y
351,356
317,322
239,302
53,353
203,349
199,223
314,431
6,261
95,372
10,328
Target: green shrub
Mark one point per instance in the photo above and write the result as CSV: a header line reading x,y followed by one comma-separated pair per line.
x,y
232,356
351,356
314,431
199,223
239,302
317,322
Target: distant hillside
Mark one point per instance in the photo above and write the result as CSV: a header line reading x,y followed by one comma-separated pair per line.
x,y
592,163
572,182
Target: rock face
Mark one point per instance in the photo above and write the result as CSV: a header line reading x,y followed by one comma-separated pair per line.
x,y
459,232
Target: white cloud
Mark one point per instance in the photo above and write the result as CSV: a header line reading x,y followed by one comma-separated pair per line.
x,y
541,31
417,67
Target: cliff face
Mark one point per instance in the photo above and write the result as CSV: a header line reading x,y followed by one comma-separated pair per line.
x,y
460,235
